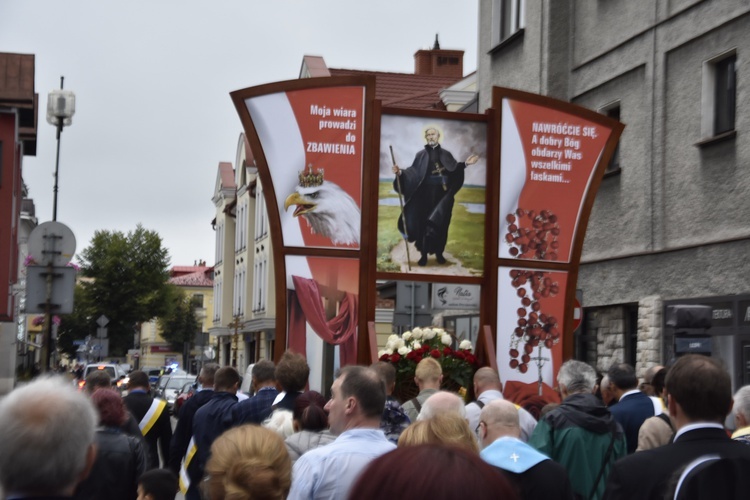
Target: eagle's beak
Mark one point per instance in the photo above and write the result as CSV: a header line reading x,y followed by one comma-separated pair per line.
x,y
303,205
292,199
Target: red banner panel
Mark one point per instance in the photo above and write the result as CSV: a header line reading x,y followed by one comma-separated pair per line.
x,y
548,160
313,143
530,319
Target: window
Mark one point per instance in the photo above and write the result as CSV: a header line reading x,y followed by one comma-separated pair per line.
x,y
197,301
719,95
219,246
613,111
507,19
217,300
725,94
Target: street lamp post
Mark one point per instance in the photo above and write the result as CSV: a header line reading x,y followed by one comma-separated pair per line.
x,y
61,106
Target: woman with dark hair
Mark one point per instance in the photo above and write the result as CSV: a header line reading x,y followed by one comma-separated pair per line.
x,y
120,458
398,475
310,425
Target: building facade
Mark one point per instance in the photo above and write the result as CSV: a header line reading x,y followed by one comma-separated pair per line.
x,y
668,226
18,133
243,322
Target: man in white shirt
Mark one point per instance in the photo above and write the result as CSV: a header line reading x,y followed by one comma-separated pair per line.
x,y
354,411
488,387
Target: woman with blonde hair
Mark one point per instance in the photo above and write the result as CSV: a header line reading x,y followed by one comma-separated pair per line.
x,y
248,463
444,428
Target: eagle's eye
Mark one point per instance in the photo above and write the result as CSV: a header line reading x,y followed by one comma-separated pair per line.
x,y
313,195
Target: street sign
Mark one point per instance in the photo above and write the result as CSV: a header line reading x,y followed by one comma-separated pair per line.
x,y
101,333
52,243
60,295
102,321
577,314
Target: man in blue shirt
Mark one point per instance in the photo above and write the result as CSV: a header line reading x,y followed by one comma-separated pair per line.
x,y
212,419
354,412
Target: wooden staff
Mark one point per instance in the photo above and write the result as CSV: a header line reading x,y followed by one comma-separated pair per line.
x,y
403,218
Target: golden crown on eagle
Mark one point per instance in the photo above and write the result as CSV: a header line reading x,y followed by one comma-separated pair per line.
x,y
310,178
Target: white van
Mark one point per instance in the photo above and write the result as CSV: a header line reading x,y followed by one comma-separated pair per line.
x,y
116,373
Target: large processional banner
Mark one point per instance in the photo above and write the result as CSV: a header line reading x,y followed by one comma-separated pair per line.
x,y
357,194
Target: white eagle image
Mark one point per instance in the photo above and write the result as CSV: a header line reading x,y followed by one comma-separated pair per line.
x,y
329,210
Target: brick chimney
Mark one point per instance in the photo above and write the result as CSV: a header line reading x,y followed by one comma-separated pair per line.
x,y
439,62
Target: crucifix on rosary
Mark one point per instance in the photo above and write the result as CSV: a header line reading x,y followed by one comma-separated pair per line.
x,y
540,363
439,169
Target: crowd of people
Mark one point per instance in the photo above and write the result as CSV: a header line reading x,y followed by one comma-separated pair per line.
x,y
607,438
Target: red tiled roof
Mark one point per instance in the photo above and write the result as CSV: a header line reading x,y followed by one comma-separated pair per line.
x,y
405,90
187,269
200,276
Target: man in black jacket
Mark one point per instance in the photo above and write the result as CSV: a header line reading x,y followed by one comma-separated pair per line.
x,y
152,416
699,392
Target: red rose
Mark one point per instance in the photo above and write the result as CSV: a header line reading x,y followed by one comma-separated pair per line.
x,y
471,358
460,355
395,357
411,355
418,358
384,357
447,351
435,353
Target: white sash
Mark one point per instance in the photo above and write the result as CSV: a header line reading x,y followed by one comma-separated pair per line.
x,y
184,478
152,415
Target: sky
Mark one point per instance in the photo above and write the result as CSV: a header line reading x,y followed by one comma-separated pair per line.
x,y
152,80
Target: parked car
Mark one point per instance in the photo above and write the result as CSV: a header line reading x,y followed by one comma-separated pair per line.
x,y
173,386
185,393
158,388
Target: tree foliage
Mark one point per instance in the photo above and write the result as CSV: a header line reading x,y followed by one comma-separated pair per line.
x,y
125,280
179,324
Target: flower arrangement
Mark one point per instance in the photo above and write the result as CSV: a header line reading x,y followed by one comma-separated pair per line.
x,y
411,347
